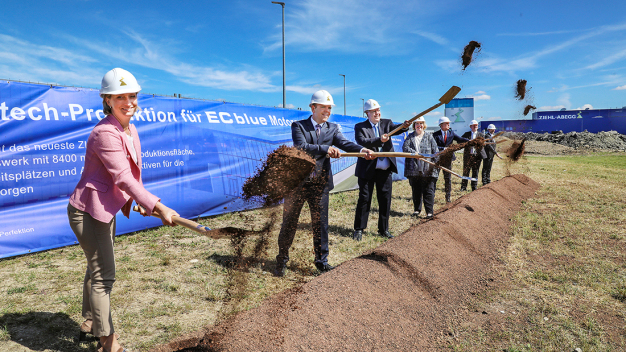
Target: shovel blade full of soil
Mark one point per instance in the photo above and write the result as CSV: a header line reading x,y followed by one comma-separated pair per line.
x,y
283,170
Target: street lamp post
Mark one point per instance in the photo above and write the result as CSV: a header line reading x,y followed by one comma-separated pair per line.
x,y
363,107
282,4
344,94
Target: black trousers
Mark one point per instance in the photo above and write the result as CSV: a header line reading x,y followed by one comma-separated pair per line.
x,y
383,182
487,163
317,199
423,190
471,162
447,178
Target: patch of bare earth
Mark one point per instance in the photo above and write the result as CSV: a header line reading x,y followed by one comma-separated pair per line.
x,y
400,296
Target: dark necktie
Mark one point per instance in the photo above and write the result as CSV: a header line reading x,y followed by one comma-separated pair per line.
x,y
318,129
445,137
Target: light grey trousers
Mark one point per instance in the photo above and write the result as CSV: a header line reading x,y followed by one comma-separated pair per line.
x,y
96,238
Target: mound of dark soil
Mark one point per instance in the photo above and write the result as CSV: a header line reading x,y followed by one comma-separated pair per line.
x,y
398,297
283,170
609,140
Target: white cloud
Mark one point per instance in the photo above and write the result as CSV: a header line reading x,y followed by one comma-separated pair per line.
x,y
586,106
433,37
620,87
432,113
563,100
551,108
480,95
609,60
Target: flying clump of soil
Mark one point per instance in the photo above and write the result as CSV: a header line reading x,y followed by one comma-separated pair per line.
x,y
283,170
468,52
528,108
520,89
445,156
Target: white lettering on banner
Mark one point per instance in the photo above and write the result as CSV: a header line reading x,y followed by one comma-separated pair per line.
x,y
30,113
15,192
75,109
148,114
25,175
16,232
222,114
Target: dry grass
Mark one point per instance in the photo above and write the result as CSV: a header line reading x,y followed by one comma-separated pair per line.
x,y
171,281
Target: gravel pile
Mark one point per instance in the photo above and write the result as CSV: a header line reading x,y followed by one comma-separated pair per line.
x,y
610,140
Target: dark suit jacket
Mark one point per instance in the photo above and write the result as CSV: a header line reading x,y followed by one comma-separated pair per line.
x,y
305,138
438,136
480,152
365,136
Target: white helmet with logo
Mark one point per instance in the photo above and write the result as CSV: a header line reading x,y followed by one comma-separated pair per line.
x,y
119,81
443,119
473,122
322,97
491,126
371,104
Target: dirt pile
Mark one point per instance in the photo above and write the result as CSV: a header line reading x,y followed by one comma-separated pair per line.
x,y
283,170
468,52
610,140
398,297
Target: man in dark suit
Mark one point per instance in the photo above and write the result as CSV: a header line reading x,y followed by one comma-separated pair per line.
x,y
472,156
444,137
490,151
318,138
373,134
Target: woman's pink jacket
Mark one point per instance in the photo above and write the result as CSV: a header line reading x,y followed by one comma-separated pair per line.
x,y
111,179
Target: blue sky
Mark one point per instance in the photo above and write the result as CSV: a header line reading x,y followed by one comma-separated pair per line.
x,y
405,54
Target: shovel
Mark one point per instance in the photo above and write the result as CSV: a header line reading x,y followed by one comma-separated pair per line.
x,y
226,232
410,155
445,99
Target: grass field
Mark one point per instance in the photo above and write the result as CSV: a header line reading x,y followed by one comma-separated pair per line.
x,y
564,273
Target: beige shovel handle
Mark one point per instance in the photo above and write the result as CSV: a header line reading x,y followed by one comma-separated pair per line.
x,y
445,99
192,225
450,171
384,155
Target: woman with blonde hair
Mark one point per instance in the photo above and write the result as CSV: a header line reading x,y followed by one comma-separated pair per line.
x,y
422,176
110,181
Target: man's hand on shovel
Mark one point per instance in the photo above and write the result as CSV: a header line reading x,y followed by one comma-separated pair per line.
x,y
405,124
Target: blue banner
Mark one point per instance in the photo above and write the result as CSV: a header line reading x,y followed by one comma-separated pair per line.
x,y
196,155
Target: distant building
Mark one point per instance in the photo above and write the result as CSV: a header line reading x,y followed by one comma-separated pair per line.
x,y
594,121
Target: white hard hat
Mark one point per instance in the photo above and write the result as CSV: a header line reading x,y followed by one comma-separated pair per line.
x,y
491,126
322,97
420,119
473,122
443,119
371,104
119,81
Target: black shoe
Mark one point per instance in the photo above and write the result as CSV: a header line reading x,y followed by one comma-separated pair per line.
x,y
386,234
323,268
429,216
279,270
448,199
416,214
357,235
463,189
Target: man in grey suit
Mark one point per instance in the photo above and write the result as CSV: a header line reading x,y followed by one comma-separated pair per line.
x,y
319,138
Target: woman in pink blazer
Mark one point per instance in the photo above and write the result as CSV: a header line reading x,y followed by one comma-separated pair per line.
x,y
110,181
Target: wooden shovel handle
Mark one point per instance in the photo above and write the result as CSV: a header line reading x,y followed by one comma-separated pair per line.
x,y
192,225
451,93
385,155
